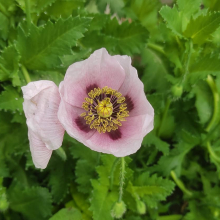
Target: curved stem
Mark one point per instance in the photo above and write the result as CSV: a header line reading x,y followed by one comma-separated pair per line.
x,y
180,184
26,74
28,12
156,48
212,153
112,172
213,87
168,102
60,152
122,178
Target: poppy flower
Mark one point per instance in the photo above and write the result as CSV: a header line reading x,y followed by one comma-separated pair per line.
x,y
45,133
103,104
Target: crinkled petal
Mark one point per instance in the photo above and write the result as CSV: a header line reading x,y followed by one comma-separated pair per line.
x,y
73,123
41,103
40,154
122,142
99,70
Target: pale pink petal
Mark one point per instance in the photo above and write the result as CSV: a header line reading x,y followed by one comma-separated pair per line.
x,y
122,142
40,154
73,123
41,103
99,70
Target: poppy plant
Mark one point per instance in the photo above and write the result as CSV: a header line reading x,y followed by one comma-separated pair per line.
x,y
103,104
45,133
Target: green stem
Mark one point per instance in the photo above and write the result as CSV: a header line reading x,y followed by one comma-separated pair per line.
x,y
4,11
156,47
212,153
61,153
26,74
98,158
215,114
180,184
112,172
167,106
186,71
211,133
122,178
28,12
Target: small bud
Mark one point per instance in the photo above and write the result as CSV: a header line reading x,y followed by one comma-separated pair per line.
x,y
118,209
141,207
177,91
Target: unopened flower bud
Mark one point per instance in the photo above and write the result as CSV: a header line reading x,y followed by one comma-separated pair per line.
x,y
177,91
141,207
118,209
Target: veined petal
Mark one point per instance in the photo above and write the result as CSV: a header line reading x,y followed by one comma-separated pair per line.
x,y
99,70
40,154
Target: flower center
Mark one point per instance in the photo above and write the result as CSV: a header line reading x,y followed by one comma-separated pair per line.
x,y
105,109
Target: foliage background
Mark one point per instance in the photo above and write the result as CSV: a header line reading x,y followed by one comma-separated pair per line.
x,y
175,175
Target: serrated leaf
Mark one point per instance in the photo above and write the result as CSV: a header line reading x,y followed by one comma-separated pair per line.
x,y
173,18
102,201
9,60
152,139
200,28
150,188
127,38
36,6
34,203
64,8
203,67
50,42
10,99
67,214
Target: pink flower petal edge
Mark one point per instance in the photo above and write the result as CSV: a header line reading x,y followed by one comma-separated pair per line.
x,y
116,72
45,132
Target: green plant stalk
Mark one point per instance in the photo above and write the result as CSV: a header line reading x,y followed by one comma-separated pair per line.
x,y
61,153
26,74
98,158
167,106
156,48
215,114
180,184
212,153
112,172
28,12
122,178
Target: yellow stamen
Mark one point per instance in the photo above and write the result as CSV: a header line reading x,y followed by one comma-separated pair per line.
x,y
100,115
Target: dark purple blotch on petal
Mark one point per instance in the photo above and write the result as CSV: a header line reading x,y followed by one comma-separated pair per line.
x,y
130,104
90,87
115,135
81,123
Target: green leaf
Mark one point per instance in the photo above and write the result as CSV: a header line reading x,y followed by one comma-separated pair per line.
x,y
10,100
173,18
67,214
200,28
157,188
50,42
34,203
36,6
64,8
126,38
152,139
9,60
4,26
204,101
203,67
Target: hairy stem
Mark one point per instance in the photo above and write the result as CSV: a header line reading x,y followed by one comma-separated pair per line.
x,y
26,74
180,184
112,172
215,114
122,178
28,12
167,106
